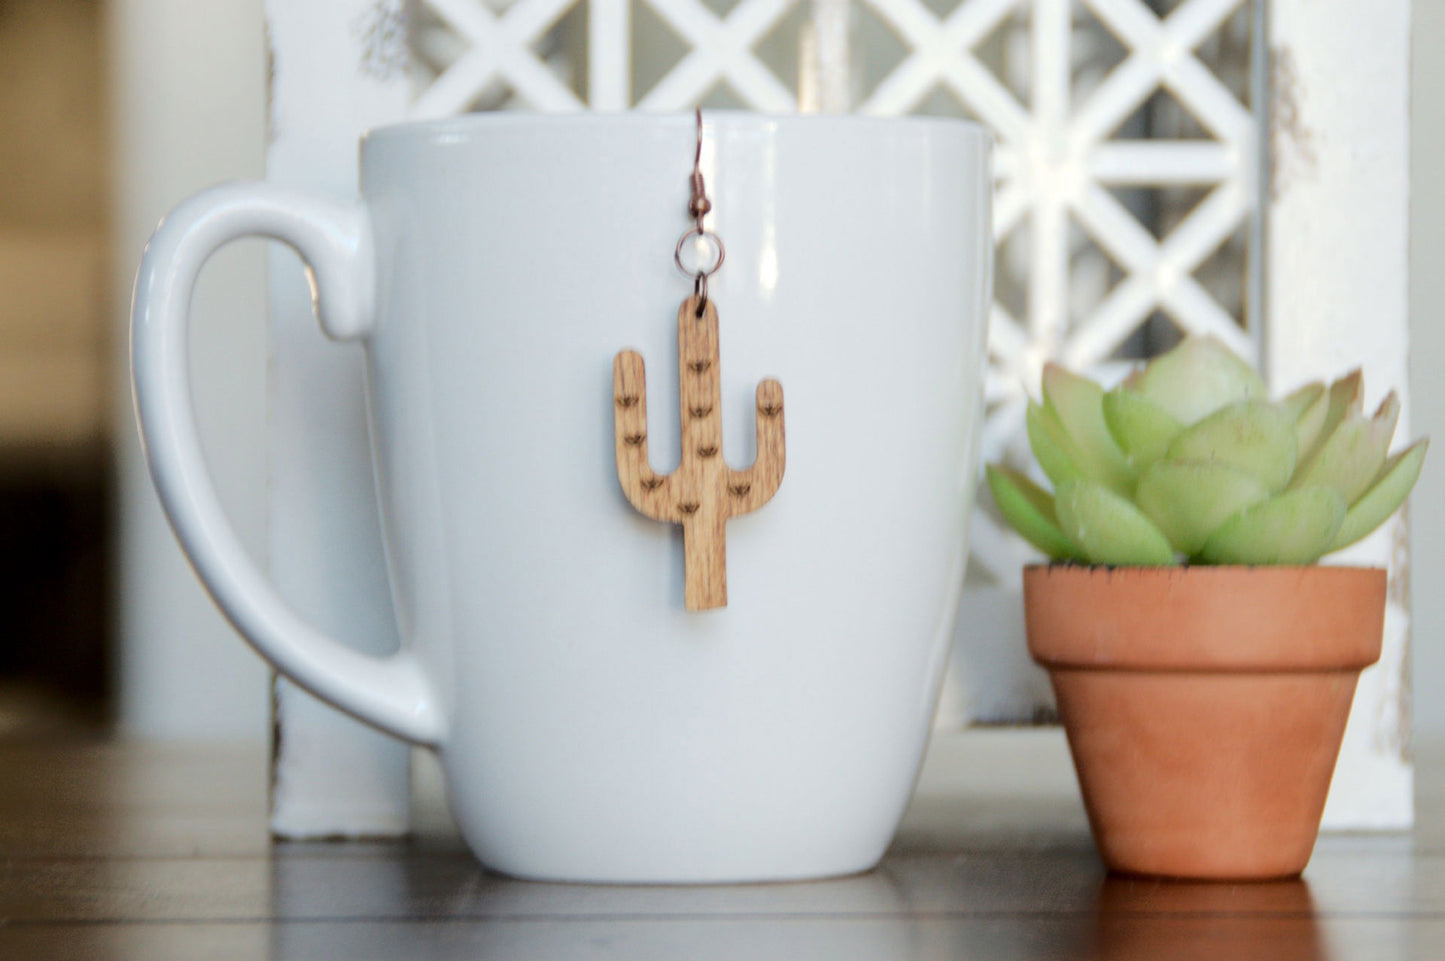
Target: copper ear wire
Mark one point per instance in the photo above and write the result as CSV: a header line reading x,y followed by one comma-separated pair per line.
x,y
698,208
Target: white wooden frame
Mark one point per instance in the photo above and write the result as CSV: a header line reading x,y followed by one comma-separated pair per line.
x,y
331,775
1327,186
1336,295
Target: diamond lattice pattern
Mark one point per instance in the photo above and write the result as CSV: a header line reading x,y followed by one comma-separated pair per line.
x,y
1126,162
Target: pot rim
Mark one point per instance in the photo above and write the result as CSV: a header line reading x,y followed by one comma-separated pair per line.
x,y
1076,565
1205,618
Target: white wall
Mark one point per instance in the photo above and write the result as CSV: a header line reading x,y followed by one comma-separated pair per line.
x,y
188,84
1427,362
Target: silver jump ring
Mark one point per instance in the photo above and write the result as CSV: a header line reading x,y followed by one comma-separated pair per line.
x,y
709,236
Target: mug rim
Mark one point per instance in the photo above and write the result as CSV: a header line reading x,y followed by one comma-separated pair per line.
x,y
465,126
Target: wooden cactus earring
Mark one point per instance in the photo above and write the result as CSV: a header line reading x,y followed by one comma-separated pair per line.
x,y
703,492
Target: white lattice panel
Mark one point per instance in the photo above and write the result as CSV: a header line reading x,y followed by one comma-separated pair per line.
x,y
1056,111
1129,189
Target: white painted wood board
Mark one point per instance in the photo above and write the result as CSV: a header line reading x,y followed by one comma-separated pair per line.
x,y
330,81
1336,297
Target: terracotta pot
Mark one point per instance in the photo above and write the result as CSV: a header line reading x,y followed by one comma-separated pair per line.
x,y
1204,706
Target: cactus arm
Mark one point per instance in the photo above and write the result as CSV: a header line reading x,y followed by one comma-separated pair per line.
x,y
645,489
753,487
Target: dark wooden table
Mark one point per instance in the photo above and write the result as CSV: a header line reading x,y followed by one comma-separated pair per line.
x,y
116,851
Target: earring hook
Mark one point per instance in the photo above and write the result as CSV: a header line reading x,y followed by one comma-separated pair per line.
x,y
698,208
697,156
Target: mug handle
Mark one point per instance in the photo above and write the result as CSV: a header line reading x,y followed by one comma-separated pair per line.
x,y
393,693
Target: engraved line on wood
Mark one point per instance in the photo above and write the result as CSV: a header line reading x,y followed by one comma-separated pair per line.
x,y
704,491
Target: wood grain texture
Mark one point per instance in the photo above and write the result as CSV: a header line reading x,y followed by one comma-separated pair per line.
x,y
704,491
160,851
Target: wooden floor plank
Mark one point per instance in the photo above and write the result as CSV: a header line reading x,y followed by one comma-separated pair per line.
x,y
798,939
406,885
133,851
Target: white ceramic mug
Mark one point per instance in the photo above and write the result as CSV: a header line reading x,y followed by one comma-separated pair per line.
x,y
591,728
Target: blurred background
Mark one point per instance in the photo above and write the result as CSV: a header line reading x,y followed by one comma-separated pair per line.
x,y
57,481
111,111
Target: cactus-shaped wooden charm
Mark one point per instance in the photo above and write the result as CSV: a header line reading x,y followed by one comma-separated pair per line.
x,y
703,492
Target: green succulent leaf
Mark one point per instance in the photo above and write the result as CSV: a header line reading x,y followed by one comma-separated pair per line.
x,y
1307,429
1197,378
1387,493
1296,527
1051,446
1077,403
1346,397
1351,457
1253,436
1297,402
1188,459
1029,509
1387,415
1345,462
1108,528
1142,429
1189,501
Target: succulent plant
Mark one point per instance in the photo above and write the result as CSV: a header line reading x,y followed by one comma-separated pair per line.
x,y
1188,461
